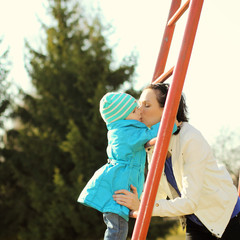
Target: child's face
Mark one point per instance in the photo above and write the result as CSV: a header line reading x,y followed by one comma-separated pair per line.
x,y
134,115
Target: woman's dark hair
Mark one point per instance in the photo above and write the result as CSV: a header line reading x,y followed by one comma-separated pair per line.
x,y
161,90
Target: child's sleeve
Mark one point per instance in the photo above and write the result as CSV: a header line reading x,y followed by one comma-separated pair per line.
x,y
154,129
141,136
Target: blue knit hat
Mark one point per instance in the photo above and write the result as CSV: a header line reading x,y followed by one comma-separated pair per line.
x,y
115,106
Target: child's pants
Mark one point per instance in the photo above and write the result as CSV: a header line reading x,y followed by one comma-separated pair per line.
x,y
117,227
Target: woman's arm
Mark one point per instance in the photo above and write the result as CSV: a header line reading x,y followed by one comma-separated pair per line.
x,y
127,198
195,153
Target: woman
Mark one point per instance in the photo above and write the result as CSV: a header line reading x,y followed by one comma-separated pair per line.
x,y
203,192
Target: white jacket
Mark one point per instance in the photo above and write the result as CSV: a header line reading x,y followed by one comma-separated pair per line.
x,y
206,188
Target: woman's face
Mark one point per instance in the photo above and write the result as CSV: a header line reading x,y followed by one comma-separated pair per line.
x,y
151,112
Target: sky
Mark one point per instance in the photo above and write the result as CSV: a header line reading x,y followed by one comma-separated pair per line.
x,y
212,83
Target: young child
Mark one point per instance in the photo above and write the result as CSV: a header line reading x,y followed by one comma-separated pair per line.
x,y
126,161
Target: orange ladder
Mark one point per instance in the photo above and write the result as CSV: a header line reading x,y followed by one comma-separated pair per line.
x,y
172,102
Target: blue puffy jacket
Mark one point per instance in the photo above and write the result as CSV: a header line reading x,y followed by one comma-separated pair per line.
x,y
127,156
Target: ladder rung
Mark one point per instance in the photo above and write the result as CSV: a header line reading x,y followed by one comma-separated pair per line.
x,y
179,13
164,76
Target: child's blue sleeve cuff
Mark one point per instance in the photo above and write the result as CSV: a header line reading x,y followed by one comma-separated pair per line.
x,y
174,128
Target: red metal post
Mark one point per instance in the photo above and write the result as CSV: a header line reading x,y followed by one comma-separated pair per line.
x,y
166,42
179,13
167,122
164,76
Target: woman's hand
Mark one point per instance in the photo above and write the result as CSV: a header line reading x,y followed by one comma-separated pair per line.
x,y
127,199
178,123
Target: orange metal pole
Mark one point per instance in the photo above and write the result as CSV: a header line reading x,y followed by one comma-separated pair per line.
x,y
166,42
179,13
167,122
164,76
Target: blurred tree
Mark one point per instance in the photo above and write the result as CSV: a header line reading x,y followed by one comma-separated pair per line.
x,y
4,84
227,150
61,139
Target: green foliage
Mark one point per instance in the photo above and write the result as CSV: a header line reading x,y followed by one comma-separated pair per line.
x,y
61,138
159,227
4,84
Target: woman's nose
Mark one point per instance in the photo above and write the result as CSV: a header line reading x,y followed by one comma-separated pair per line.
x,y
140,110
140,114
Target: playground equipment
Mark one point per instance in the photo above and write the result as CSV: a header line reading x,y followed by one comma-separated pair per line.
x,y
170,110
